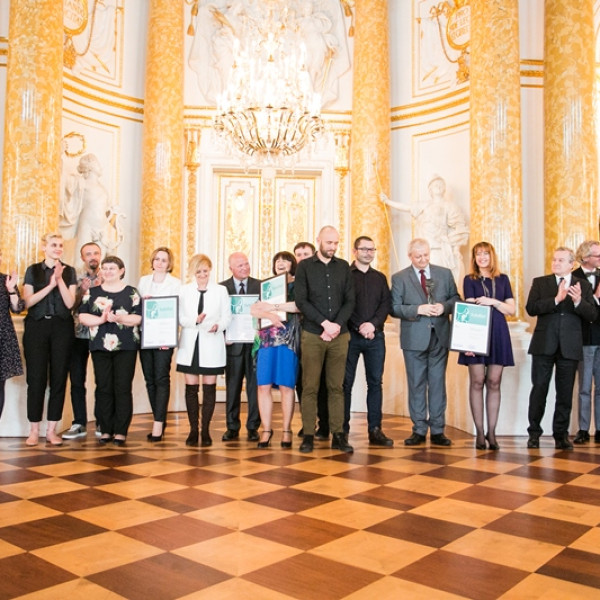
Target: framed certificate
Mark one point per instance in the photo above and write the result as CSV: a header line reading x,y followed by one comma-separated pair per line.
x,y
160,322
241,328
274,291
471,327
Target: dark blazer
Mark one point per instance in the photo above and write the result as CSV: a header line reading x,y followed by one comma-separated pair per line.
x,y
253,288
407,295
559,327
591,331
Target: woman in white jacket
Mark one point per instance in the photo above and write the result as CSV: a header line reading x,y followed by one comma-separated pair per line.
x,y
156,362
204,314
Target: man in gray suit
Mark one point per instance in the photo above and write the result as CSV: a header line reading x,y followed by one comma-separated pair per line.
x,y
423,296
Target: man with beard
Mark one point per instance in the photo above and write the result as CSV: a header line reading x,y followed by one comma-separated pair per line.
x,y
325,296
90,277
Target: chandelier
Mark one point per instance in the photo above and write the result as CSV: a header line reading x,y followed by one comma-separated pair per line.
x,y
268,111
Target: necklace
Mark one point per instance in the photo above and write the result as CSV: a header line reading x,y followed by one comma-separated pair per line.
x,y
486,292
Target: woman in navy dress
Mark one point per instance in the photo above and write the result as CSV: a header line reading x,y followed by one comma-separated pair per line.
x,y
485,285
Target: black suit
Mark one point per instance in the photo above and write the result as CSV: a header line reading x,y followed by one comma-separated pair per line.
x,y
239,365
557,342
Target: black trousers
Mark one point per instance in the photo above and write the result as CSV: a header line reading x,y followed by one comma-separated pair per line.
x,y
564,380
47,345
114,373
77,376
156,366
239,366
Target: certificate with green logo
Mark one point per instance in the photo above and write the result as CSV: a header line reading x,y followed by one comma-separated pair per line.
x,y
471,326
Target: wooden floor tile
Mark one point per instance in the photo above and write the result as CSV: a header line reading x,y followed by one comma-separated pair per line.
x,y
421,530
448,572
165,576
26,573
308,577
300,531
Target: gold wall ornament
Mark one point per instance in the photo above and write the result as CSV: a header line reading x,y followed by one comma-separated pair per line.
x,y
75,21
73,144
192,163
457,32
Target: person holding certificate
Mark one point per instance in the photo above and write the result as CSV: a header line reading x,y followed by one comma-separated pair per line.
x,y
277,355
156,362
485,285
113,312
204,314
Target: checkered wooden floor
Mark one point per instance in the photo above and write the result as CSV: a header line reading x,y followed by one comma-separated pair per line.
x,y
162,521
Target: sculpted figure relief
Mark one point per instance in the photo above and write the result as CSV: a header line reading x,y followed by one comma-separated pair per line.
x,y
442,223
86,213
221,27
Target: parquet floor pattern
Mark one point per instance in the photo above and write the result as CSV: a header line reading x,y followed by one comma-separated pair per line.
x,y
162,521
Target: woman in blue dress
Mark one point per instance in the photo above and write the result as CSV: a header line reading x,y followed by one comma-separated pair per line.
x,y
277,356
485,285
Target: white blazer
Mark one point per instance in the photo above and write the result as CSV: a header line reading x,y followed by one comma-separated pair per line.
x,y
211,346
169,287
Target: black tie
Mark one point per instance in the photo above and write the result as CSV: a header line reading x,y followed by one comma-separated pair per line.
x,y
242,289
201,302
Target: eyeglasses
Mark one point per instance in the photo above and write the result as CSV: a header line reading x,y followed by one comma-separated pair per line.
x,y
367,249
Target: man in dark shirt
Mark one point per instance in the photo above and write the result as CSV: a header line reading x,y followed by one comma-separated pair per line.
x,y
371,309
325,296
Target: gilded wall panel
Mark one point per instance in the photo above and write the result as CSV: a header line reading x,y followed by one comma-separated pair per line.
x,y
239,210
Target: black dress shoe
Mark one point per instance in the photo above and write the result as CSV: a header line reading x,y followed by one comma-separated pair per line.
x,y
414,440
378,438
563,443
205,440
253,435
307,444
439,439
339,442
104,440
154,438
582,437
533,442
493,445
230,434
119,442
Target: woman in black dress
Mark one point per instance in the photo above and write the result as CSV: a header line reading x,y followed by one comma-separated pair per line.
x,y
485,285
10,355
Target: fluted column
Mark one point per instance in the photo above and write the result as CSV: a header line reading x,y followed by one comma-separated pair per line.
x,y
31,175
370,139
163,147
496,213
570,163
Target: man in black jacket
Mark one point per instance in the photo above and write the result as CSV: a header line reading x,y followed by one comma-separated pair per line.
x,y
560,302
239,359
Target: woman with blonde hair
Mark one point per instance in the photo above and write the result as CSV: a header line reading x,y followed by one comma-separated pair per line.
x,y
156,362
49,294
204,314
487,286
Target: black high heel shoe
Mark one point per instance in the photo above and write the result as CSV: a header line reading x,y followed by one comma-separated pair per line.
x,y
268,442
493,445
480,443
155,438
285,444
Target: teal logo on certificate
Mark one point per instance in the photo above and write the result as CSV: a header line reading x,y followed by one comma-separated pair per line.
x,y
156,310
472,314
